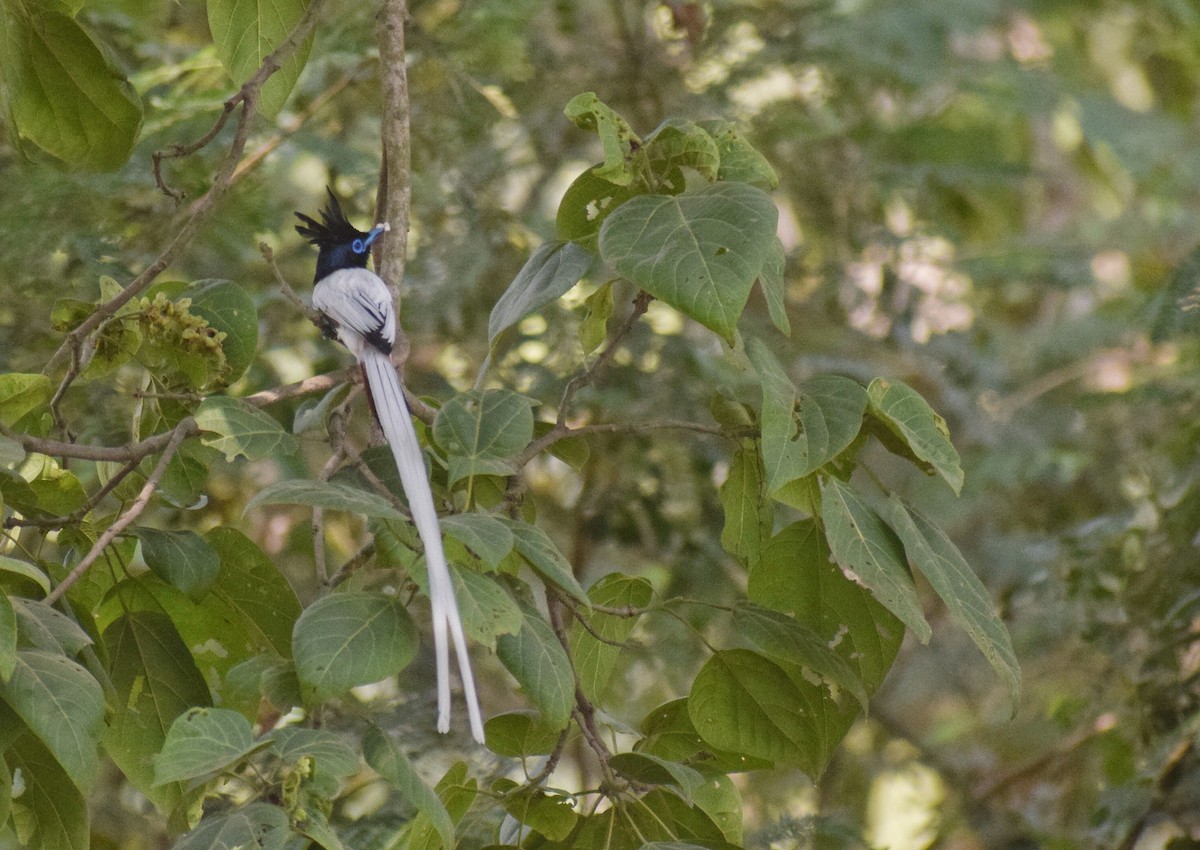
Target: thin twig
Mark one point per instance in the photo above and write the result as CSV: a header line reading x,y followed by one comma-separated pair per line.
x,y
313,314
316,384
365,553
178,435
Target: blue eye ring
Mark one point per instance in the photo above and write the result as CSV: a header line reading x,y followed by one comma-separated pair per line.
x,y
358,246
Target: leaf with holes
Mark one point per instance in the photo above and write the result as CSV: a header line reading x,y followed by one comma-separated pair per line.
x,y
914,423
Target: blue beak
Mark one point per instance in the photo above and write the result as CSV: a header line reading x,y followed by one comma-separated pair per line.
x,y
376,231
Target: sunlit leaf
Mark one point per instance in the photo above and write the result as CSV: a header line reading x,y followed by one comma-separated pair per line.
x,y
331,495
229,308
21,393
8,638
749,513
621,144
596,648
64,94
487,609
245,33
51,813
520,734
678,142
536,547
740,161
25,570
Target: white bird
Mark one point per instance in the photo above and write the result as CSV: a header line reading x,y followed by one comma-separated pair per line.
x,y
359,310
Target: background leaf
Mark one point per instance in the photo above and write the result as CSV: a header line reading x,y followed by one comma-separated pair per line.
x,y
64,94
549,272
246,32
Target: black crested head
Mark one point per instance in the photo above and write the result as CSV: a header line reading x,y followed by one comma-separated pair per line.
x,y
341,244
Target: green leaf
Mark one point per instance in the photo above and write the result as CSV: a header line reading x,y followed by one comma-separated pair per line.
x,y
482,431
864,545
56,491
180,558
548,814
520,734
155,681
621,144
50,813
257,825
203,742
251,585
486,607
63,93
486,536
21,394
117,341
314,825
246,33
967,600
457,791
387,759
670,734
42,627
183,484
678,143
652,770
720,799
333,759
740,162
588,201
796,575
749,513
229,308
350,639
330,495
314,415
8,638
536,547
744,703
774,287
546,276
910,418
596,659
803,428
63,705
594,328
785,639
699,252
237,428
69,313
538,661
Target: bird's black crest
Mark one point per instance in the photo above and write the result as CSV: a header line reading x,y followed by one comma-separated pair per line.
x,y
333,229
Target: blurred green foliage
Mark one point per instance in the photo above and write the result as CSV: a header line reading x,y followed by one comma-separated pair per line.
x,y
983,200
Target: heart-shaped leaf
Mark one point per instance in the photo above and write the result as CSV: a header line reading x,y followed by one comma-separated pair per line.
x,y
700,251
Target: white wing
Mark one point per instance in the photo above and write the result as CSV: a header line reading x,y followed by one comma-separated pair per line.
x,y
359,303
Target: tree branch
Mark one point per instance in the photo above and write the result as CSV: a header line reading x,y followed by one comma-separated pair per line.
x,y
177,436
